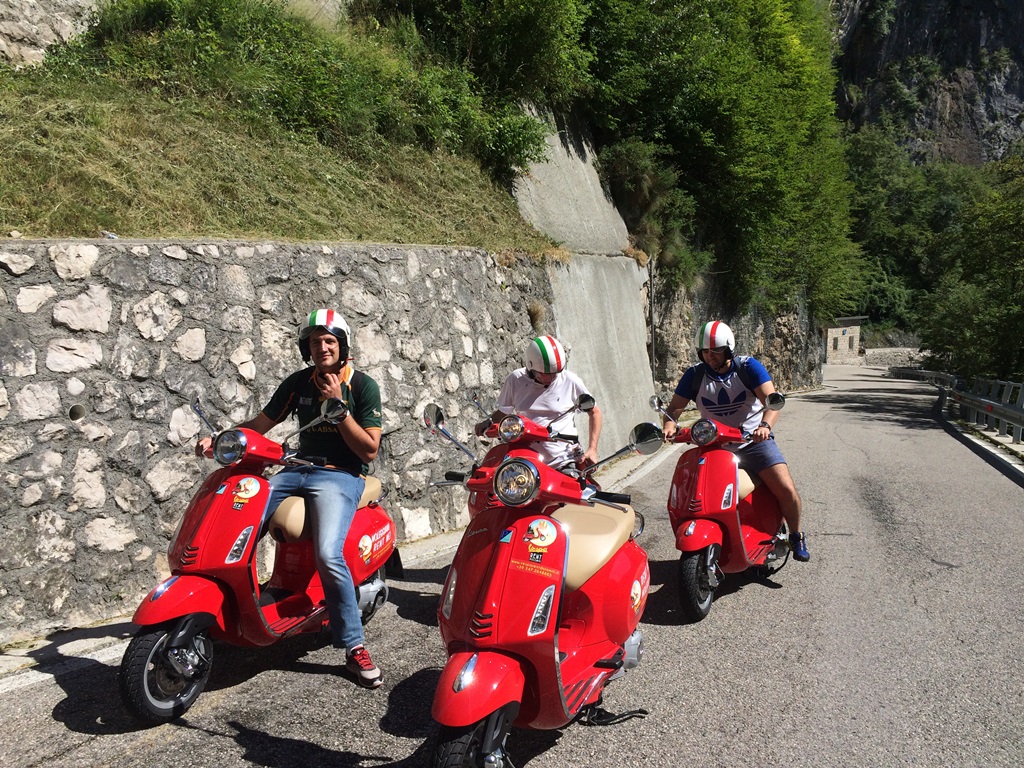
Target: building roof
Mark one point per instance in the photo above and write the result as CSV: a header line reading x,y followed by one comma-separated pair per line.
x,y
854,320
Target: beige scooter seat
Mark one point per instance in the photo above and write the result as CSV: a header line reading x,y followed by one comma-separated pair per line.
x,y
746,485
595,534
289,522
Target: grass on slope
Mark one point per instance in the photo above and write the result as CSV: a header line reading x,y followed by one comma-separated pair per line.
x,y
83,157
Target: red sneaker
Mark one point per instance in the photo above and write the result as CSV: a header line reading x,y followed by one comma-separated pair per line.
x,y
361,665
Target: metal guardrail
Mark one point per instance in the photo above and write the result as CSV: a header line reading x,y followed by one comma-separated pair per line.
x,y
989,403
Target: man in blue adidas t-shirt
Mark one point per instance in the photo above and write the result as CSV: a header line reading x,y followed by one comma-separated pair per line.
x,y
732,389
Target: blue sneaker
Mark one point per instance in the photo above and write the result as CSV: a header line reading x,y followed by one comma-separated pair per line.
x,y
798,544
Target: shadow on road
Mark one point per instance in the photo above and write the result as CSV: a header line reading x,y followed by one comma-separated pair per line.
x,y
261,748
663,604
909,411
419,605
91,704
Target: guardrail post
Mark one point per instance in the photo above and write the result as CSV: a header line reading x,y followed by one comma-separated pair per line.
x,y
1002,427
993,391
1018,430
972,412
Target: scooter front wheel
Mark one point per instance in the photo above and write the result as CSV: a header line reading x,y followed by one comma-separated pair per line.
x,y
159,684
695,591
460,747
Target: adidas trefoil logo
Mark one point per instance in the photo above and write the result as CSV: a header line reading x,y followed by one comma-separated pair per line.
x,y
724,406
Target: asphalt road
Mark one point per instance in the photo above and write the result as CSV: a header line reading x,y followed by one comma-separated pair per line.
x,y
899,644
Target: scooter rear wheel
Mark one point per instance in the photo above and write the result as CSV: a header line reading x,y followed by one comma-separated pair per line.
x,y
152,689
695,592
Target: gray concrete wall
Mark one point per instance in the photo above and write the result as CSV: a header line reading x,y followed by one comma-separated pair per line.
x,y
563,196
598,303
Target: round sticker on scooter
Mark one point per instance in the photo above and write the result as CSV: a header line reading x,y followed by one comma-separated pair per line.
x,y
541,533
246,488
635,593
365,549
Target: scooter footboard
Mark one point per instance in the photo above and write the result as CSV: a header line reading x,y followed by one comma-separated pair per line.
x,y
179,596
491,681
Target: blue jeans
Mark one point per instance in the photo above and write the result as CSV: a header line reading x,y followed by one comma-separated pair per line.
x,y
331,498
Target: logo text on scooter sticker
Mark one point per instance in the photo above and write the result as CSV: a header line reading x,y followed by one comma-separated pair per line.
x,y
246,488
536,557
239,505
506,536
541,533
223,487
371,545
538,570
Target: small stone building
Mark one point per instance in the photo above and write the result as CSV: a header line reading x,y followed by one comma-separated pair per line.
x,y
842,341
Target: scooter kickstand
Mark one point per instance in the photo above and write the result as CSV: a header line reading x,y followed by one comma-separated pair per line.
x,y
595,715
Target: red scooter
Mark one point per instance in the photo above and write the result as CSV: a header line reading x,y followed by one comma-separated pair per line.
x,y
542,601
214,591
724,521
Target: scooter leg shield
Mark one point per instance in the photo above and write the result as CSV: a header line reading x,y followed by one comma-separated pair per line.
x,y
475,684
179,596
703,534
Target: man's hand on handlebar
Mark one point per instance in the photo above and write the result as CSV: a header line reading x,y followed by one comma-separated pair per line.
x,y
482,426
205,447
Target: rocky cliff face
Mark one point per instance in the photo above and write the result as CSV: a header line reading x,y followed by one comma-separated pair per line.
x,y
29,27
951,70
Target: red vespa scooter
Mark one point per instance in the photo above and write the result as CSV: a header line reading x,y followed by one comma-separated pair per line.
x,y
724,521
543,598
214,591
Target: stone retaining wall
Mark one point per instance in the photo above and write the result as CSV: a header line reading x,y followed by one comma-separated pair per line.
x,y
103,344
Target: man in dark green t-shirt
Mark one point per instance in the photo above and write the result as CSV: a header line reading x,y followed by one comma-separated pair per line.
x,y
340,453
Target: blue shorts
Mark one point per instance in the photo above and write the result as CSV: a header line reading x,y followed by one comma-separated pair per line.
x,y
755,457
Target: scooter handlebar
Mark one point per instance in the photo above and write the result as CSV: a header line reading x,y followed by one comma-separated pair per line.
x,y
613,498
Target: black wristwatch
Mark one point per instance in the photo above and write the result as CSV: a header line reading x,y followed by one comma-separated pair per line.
x,y
765,424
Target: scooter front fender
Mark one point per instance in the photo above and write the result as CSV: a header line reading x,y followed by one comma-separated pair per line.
x,y
179,596
704,533
490,681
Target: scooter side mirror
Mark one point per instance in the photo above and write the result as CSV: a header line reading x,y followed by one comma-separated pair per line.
x,y
775,401
433,416
656,403
585,402
646,438
199,412
332,410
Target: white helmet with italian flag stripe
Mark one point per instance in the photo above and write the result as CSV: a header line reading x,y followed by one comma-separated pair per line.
x,y
715,334
330,321
545,354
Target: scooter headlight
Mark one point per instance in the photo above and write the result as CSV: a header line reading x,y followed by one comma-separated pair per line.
x,y
516,482
703,432
511,428
230,447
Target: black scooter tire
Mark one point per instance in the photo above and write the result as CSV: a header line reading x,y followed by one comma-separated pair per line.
x,y
459,747
695,595
153,692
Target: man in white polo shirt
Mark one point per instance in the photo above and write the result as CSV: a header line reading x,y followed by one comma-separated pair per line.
x,y
545,392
